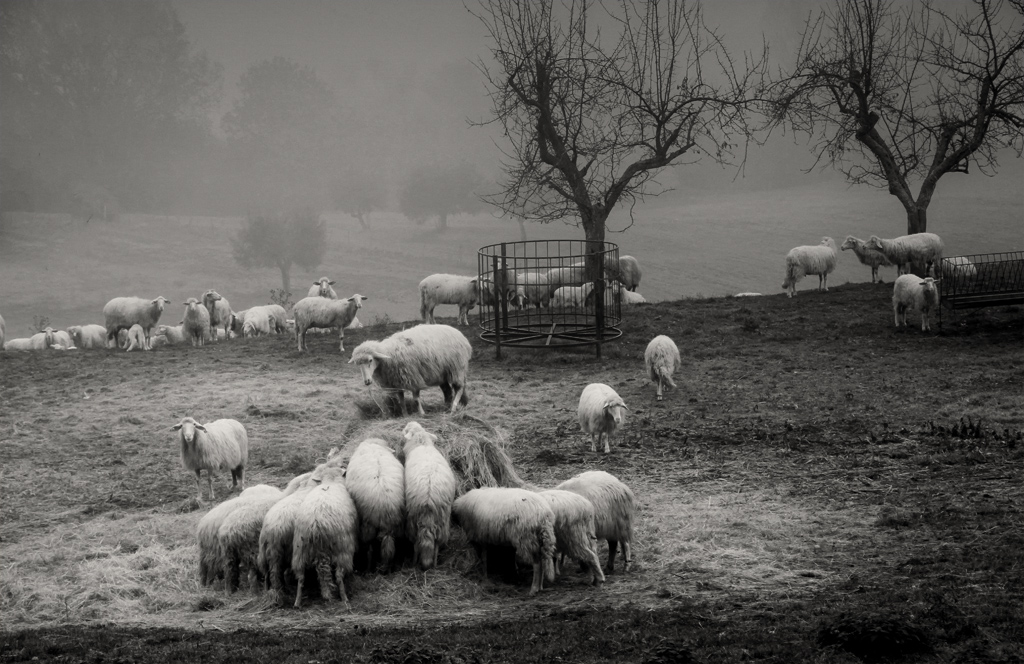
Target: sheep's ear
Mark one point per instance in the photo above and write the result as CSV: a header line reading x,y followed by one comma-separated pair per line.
x,y
381,356
352,360
200,426
176,427
364,297
330,283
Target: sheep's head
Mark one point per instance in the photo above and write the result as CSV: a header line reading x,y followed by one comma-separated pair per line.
x,y
327,474
415,435
75,332
358,299
160,302
324,286
210,297
615,409
191,303
367,358
874,242
188,428
849,243
928,285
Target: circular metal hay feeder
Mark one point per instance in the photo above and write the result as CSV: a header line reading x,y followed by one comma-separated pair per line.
x,y
518,282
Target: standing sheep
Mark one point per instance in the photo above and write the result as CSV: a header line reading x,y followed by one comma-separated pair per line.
x,y
376,481
924,249
870,257
278,534
326,527
531,288
211,565
137,338
510,517
571,275
122,312
196,323
278,317
88,336
801,261
322,288
257,322
322,312
601,411
218,445
417,358
575,530
220,312
614,507
911,292
572,296
661,359
429,491
447,289
629,273
239,539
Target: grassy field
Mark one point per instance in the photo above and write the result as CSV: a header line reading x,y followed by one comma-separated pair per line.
x,y
807,494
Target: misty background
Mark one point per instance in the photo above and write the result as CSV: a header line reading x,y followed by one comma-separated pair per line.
x,y
135,137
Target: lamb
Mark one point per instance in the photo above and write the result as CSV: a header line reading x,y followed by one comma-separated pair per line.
x,y
322,312
429,491
278,533
123,312
88,336
211,564
575,532
959,268
62,340
532,288
661,359
870,257
911,292
257,322
325,533
220,312
376,481
322,288
238,538
600,412
919,248
510,517
196,323
218,445
614,507
417,358
629,272
174,335
447,289
137,338
630,297
575,296
801,261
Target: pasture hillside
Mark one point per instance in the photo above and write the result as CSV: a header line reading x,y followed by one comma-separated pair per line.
x,y
820,487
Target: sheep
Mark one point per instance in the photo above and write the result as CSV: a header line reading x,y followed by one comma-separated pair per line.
x,y
257,322
510,517
62,340
447,289
630,297
572,275
122,339
614,507
629,272
376,481
218,445
747,295
430,488
575,296
322,312
220,312
210,563
278,316
88,336
238,538
532,288
137,338
801,261
19,344
278,533
326,527
661,359
236,320
417,358
959,268
911,292
173,335
123,312
322,288
196,322
919,248
575,532
43,340
870,257
600,412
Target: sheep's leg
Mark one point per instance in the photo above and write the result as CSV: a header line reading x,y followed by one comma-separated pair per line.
x,y
209,482
341,337
199,486
627,556
299,580
231,572
416,400
612,546
824,281
324,574
339,577
446,390
593,441
593,564
538,574
660,381
482,550
607,439
457,398
300,337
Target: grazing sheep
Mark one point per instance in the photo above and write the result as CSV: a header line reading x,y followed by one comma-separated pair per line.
x,y
257,322
174,335
801,261
447,289
322,312
429,491
629,272
122,312
661,359
911,292
601,411
417,358
137,338
322,288
614,507
870,257
326,527
278,317
575,296
376,481
88,336
122,339
919,248
211,565
510,517
239,538
575,532
532,288
277,535
196,323
959,268
220,312
237,319
218,445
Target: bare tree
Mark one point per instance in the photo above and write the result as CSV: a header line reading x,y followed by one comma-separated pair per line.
x,y
590,120
441,191
281,242
896,97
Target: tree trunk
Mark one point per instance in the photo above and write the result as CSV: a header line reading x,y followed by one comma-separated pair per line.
x,y
522,229
917,220
286,277
362,221
593,228
442,222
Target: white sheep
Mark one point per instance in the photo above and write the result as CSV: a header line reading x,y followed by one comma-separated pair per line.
x,y
531,288
322,312
571,275
572,296
322,288
959,268
629,272
121,313
196,322
220,312
661,359
24,343
448,289
911,292
510,517
239,538
376,481
173,335
601,411
614,508
88,336
44,340
629,297
923,249
257,322
819,259
218,445
417,358
278,317
278,533
62,340
326,527
211,565
575,530
137,339
870,257
430,488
